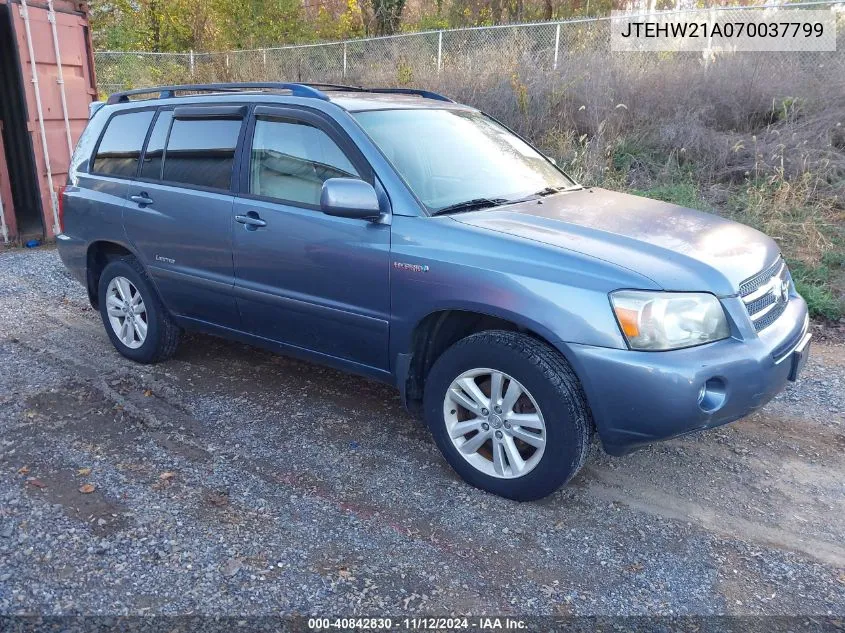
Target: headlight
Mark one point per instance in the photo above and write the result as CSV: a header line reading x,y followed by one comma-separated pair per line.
x,y
668,320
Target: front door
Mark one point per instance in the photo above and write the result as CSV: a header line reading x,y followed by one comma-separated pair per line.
x,y
304,278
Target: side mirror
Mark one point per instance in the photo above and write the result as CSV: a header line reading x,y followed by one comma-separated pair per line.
x,y
349,198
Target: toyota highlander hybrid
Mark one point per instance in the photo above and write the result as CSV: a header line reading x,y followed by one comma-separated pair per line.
x,y
400,235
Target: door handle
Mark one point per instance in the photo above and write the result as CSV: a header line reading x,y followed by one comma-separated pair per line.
x,y
143,199
251,221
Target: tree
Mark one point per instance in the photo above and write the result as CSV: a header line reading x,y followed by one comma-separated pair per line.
x,y
113,26
386,16
258,23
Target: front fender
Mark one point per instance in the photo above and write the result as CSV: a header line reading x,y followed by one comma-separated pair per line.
x,y
439,264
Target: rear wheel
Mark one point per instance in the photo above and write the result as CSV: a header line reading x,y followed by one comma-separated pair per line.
x,y
509,414
135,319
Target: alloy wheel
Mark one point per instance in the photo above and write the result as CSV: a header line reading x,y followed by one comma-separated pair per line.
x,y
494,423
127,312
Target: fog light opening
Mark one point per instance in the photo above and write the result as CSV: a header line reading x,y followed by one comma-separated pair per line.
x,y
712,395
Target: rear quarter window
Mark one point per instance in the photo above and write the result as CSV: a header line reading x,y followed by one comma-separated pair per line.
x,y
120,146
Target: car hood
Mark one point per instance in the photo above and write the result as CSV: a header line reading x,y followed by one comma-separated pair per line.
x,y
677,248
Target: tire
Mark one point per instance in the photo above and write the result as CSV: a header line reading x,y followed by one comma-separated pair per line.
x,y
554,398
161,337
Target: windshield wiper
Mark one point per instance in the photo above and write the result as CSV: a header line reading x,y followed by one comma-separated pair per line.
x,y
471,205
547,191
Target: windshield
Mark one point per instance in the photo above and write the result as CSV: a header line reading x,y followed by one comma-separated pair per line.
x,y
448,157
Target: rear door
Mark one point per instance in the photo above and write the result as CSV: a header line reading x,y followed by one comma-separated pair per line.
x,y
179,212
114,164
302,277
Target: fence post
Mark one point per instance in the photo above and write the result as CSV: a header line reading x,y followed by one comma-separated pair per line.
x,y
708,52
557,45
344,60
264,56
439,50
191,62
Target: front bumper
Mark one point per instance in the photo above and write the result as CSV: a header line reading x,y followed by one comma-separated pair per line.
x,y
641,397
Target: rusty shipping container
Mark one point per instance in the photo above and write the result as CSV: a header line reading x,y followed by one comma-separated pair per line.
x,y
46,85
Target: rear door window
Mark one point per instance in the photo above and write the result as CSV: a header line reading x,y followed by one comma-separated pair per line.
x,y
201,152
120,146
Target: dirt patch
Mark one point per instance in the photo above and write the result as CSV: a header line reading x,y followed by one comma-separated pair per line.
x,y
65,486
80,408
805,436
832,355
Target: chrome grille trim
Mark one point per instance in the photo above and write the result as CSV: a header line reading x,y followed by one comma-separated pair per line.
x,y
762,283
774,305
753,283
770,317
756,305
763,294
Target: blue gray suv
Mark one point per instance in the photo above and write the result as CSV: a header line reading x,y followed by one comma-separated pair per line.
x,y
402,236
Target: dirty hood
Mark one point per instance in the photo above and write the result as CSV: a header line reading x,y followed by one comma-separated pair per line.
x,y
676,247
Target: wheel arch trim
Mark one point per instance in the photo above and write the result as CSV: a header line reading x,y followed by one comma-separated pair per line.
x,y
92,284
405,340
404,358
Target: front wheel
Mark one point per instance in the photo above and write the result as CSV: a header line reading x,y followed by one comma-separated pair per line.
x,y
509,414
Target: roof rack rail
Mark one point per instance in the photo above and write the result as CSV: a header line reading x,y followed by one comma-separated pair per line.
x,y
313,84
427,94
169,92
303,89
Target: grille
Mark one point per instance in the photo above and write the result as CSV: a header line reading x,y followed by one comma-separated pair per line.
x,y
757,305
766,294
763,277
770,317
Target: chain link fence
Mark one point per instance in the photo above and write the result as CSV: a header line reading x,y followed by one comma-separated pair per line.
x,y
408,58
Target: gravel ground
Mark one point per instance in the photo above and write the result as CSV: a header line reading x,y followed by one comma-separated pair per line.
x,y
232,481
